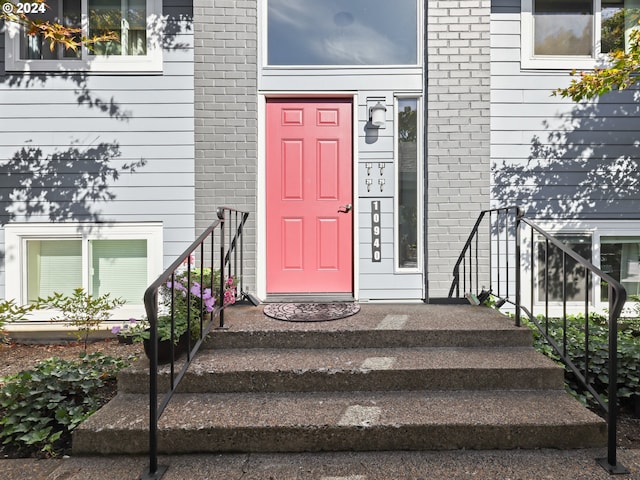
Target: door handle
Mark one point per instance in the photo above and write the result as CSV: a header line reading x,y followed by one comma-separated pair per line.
x,y
345,208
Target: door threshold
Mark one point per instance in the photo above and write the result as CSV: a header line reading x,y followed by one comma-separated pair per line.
x,y
309,298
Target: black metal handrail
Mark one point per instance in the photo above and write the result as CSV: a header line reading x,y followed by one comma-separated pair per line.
x,y
219,246
496,270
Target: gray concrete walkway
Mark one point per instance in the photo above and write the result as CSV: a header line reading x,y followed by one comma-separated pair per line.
x,y
502,465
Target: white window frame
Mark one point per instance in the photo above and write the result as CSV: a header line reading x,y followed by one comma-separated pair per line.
x,y
419,185
17,235
151,62
556,62
596,229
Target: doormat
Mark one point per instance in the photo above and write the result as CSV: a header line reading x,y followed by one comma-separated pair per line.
x,y
310,312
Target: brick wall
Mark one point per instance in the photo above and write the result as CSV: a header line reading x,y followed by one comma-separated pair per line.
x,y
457,130
226,114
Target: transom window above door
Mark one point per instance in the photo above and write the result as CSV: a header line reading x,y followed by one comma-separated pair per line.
x,y
342,32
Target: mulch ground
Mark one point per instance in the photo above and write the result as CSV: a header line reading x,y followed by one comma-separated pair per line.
x,y
16,357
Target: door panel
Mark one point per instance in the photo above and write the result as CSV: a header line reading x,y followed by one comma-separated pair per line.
x,y
309,177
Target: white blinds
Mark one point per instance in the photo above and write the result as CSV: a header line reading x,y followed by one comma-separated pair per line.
x,y
53,266
119,267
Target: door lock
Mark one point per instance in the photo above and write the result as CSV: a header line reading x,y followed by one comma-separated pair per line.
x,y
345,208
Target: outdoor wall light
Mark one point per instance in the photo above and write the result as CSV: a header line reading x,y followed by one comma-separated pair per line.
x,y
377,115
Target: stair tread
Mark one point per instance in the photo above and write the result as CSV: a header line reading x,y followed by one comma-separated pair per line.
x,y
407,420
229,410
368,359
374,326
405,317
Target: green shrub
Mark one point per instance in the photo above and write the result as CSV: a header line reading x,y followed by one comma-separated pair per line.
x,y
628,380
39,407
81,310
11,312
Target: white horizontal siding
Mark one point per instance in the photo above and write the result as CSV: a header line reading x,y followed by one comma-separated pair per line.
x,y
79,126
130,111
91,138
69,96
165,157
556,158
57,132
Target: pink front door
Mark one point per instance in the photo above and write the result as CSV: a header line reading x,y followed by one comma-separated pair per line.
x,y
309,196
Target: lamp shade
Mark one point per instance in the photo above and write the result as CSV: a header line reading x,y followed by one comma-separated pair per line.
x,y
378,115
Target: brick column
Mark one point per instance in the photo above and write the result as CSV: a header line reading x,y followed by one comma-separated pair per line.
x,y
458,103
226,114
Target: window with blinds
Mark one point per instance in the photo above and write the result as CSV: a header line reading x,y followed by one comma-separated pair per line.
x,y
53,266
117,267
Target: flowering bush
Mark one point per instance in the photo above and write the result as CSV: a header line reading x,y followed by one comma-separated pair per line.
x,y
230,291
193,299
194,294
131,328
138,330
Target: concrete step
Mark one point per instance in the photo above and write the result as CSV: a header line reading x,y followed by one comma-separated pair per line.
x,y
307,370
353,421
375,326
392,377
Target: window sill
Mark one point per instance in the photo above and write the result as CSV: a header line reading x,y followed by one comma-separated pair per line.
x,y
132,65
558,63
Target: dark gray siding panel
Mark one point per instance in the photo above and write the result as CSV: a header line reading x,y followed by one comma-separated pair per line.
x,y
556,158
2,49
64,134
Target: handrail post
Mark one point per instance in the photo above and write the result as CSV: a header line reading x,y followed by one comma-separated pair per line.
x,y
155,471
518,263
613,379
616,303
153,393
221,217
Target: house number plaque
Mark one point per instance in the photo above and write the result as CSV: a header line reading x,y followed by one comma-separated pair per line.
x,y
376,247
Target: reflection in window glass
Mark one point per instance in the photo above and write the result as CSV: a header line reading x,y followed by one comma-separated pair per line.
x,y
36,47
126,19
408,182
575,274
612,36
620,258
563,27
618,18
339,32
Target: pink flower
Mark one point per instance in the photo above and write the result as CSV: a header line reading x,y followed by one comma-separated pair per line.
x,y
230,297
